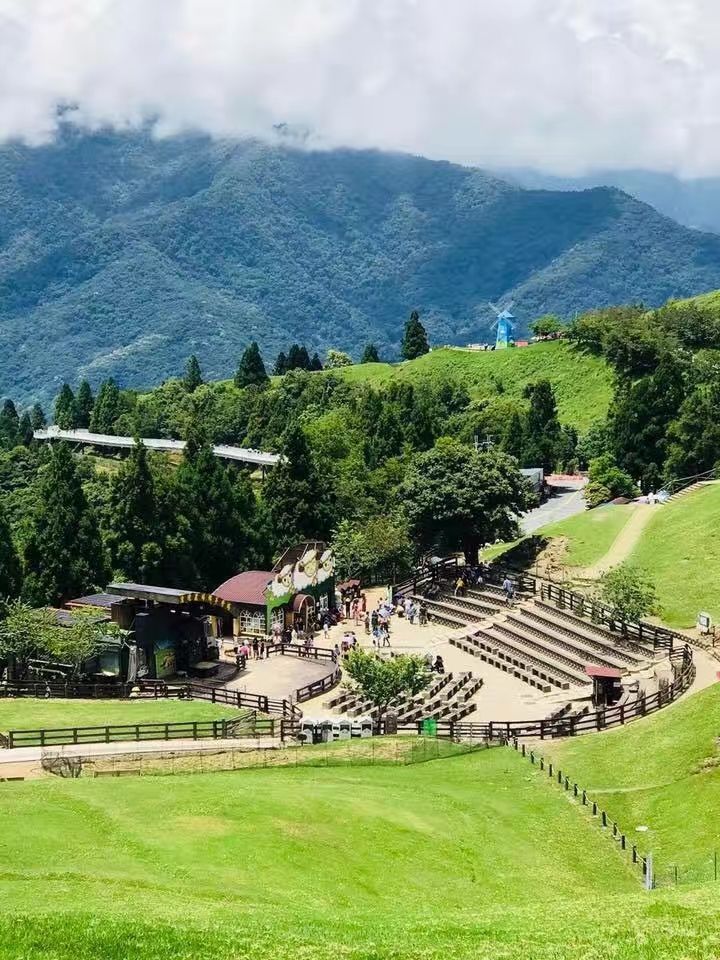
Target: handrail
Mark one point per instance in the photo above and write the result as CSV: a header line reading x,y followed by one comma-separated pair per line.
x,y
298,650
681,483
317,687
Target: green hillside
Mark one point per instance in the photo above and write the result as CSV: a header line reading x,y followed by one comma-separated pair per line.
x,y
475,856
588,536
663,773
121,254
680,551
582,382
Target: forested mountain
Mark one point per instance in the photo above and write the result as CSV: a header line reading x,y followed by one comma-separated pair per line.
x,y
694,202
122,254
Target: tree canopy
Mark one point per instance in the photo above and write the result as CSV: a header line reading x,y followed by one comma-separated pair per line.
x,y
415,341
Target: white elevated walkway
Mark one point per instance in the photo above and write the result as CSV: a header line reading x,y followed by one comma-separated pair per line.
x,y
247,455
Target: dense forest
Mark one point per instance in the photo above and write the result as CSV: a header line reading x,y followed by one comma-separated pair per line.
x,y
386,471
121,254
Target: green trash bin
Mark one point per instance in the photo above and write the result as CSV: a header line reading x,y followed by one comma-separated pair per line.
x,y
429,727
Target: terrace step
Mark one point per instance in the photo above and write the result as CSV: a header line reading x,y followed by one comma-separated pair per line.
x,y
527,658
583,650
555,660
474,649
572,624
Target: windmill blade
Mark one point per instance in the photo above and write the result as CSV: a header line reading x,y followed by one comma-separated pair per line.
x,y
494,308
510,305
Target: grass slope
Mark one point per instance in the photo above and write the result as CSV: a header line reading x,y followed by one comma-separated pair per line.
x,y
661,772
34,714
680,550
582,383
353,862
589,535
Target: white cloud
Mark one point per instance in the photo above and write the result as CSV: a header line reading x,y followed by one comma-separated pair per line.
x,y
563,85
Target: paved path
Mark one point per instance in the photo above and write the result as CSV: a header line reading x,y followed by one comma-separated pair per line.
x,y
278,677
567,501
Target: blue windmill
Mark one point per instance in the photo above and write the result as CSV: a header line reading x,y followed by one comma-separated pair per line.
x,y
505,324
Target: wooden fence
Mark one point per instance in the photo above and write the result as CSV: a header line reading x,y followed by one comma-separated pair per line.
x,y
556,775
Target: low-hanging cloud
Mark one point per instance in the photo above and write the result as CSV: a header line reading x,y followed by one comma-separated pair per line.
x,y
563,85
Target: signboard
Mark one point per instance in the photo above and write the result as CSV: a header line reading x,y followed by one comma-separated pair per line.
x,y
704,622
165,658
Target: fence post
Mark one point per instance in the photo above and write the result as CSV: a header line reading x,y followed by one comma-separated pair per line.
x,y
550,769
542,763
715,865
649,872
603,819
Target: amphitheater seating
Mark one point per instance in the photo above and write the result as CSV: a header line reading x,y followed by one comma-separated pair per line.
x,y
447,698
549,648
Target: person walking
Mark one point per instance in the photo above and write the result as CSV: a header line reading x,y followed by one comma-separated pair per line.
x,y
508,589
326,629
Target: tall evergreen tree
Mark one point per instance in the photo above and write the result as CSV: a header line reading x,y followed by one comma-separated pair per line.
x,y
37,415
513,439
542,435
25,429
370,354
66,412
298,358
251,369
415,341
9,426
193,374
316,363
219,510
281,365
134,524
63,556
85,401
106,409
10,569
298,501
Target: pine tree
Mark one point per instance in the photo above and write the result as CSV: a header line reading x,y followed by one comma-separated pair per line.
x,y
281,365
219,512
66,412
298,358
316,363
370,354
106,409
193,374
26,434
9,426
297,499
513,439
251,369
134,525
303,359
542,436
63,556
10,569
415,342
85,401
37,415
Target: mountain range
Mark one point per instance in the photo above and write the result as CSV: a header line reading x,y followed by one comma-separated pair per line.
x,y
122,254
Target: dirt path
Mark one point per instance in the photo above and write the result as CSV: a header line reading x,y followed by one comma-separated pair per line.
x,y
623,544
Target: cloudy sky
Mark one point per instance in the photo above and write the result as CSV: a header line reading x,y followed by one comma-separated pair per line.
x,y
566,86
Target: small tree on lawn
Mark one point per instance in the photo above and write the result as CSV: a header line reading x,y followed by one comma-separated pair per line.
x,y
251,369
628,591
382,681
370,354
415,341
82,639
337,358
547,325
25,632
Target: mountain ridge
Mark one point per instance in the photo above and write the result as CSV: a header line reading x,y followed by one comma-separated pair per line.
x,y
121,254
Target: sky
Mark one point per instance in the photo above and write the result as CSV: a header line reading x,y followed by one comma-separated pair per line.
x,y
563,86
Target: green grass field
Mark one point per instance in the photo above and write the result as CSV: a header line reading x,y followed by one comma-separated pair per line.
x,y
590,534
476,856
681,552
663,773
29,714
582,383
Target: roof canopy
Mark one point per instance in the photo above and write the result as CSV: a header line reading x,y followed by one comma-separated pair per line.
x,y
246,588
593,670
168,595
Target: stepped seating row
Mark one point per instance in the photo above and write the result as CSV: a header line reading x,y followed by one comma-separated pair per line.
x,y
514,636
445,611
447,698
513,652
587,649
585,628
469,644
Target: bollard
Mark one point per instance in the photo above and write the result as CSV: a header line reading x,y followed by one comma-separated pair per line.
x,y
575,789
584,798
550,769
567,783
532,756
603,817
559,776
542,763
523,749
594,809
622,841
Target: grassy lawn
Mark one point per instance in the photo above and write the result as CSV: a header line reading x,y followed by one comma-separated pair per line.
x,y
469,857
662,772
582,383
591,534
30,714
681,552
